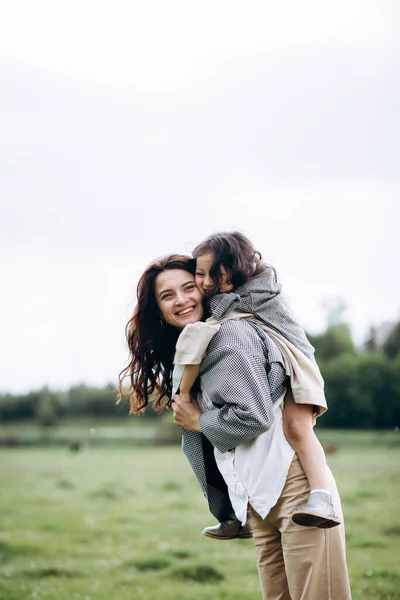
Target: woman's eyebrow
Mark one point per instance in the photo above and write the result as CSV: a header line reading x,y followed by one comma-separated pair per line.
x,y
163,292
171,290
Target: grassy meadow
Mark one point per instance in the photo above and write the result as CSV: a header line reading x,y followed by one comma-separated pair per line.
x,y
123,522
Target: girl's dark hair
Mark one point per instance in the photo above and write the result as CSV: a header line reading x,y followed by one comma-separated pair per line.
x,y
151,342
236,253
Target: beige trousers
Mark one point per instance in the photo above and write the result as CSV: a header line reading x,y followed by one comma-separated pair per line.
x,y
295,562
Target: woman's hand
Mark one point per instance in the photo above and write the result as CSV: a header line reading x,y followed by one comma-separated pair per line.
x,y
186,414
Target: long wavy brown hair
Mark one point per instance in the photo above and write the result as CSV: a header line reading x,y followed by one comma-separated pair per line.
x,y
151,342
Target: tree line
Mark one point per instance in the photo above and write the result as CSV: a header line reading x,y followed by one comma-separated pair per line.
x,y
362,386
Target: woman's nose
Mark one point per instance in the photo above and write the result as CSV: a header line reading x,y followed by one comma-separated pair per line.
x,y
180,298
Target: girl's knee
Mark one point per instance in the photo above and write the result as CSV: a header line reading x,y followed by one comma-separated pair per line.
x,y
297,424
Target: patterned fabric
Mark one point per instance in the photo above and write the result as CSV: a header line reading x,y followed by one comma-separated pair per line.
x,y
255,472
243,375
261,296
200,453
305,377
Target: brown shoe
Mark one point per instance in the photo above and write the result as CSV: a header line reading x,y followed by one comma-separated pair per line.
x,y
229,530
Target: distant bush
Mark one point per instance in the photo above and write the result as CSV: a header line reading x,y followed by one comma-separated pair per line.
x,y
167,433
362,388
11,439
18,407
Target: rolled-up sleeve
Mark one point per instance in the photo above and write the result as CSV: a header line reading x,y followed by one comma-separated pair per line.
x,y
193,342
236,381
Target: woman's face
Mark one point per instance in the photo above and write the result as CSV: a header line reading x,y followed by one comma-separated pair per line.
x,y
178,298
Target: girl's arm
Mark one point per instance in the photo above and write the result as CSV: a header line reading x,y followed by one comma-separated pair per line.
x,y
190,374
191,347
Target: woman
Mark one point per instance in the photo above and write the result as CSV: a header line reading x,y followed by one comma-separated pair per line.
x,y
168,300
243,384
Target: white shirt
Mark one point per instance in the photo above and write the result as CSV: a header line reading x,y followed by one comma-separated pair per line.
x,y
256,472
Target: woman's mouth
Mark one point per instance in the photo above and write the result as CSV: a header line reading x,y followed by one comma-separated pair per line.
x,y
186,311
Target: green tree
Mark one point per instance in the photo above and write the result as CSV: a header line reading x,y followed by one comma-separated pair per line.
x,y
375,388
335,341
19,406
391,346
46,408
346,409
371,343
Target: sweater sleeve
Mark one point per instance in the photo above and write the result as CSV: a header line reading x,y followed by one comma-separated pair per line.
x,y
236,379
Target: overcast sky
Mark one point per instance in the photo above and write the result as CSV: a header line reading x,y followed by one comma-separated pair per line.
x,y
133,129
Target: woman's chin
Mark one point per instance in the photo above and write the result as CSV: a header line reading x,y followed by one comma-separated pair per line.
x,y
193,317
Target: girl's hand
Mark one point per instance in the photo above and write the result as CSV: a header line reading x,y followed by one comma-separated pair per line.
x,y
186,414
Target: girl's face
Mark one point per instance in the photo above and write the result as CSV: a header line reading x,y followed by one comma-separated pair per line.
x,y
204,281
179,300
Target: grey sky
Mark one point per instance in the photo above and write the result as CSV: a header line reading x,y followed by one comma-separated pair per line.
x,y
132,129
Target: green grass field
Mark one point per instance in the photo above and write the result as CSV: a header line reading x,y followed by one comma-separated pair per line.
x,y
124,523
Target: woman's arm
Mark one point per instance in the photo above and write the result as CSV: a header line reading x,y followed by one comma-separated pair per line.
x,y
243,376
245,395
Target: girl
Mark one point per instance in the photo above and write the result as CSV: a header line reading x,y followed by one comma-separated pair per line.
x,y
227,264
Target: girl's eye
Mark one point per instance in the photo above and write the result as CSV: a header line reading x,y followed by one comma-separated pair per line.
x,y
199,274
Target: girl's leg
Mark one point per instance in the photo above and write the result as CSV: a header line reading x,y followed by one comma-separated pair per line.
x,y
298,428
298,420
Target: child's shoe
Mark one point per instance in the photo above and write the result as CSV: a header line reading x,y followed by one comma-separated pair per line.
x,y
317,512
229,530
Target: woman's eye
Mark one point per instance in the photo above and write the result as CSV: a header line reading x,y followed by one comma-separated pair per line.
x,y
190,287
166,296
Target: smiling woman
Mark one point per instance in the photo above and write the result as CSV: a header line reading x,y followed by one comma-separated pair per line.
x,y
178,298
168,299
232,431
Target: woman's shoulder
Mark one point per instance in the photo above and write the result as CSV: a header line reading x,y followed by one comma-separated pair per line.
x,y
245,336
237,333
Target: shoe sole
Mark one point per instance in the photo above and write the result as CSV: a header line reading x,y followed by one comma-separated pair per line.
x,y
247,536
310,519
